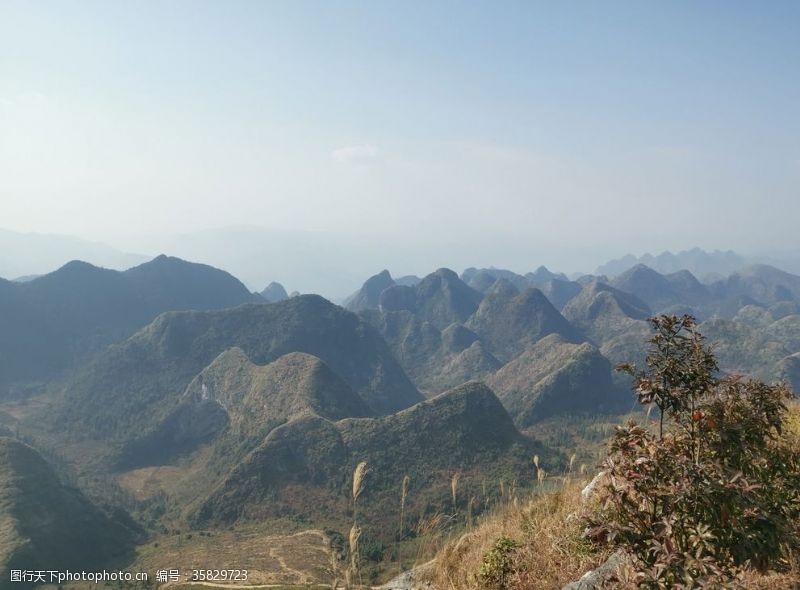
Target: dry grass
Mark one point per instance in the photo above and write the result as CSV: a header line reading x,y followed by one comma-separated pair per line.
x,y
147,482
552,552
772,581
454,489
299,559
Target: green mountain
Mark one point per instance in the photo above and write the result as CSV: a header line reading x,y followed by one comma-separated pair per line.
x,y
659,291
601,311
440,298
789,369
612,319
436,360
560,292
556,377
481,279
465,431
45,525
54,322
543,275
761,283
133,385
239,399
509,321
752,350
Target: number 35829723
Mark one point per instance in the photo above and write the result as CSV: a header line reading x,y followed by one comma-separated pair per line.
x,y
219,575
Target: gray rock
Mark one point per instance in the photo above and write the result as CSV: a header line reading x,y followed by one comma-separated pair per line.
x,y
417,578
591,489
604,576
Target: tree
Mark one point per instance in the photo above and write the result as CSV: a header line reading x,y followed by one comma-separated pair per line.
x,y
716,488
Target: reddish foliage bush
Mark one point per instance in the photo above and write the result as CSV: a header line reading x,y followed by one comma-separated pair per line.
x,y
715,489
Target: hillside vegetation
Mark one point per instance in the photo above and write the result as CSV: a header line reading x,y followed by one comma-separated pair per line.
x,y
706,496
45,525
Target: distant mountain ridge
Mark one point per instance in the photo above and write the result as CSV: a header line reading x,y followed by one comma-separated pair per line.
x,y
54,322
274,292
697,261
26,254
440,298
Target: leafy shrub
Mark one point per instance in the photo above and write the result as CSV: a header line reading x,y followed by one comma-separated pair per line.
x,y
716,488
371,549
498,564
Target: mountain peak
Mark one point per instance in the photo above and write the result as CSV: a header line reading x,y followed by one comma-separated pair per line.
x,y
440,298
274,292
509,321
368,296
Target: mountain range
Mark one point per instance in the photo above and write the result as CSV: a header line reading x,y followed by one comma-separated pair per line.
x,y
176,396
58,320
32,254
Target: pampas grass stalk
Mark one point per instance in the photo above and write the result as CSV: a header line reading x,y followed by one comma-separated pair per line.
x,y
359,474
403,496
355,535
470,508
454,489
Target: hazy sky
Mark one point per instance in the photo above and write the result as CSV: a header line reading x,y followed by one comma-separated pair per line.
x,y
605,127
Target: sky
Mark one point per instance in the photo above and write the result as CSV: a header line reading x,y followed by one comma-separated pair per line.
x,y
508,133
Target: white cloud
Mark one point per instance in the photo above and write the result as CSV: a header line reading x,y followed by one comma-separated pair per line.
x,y
355,153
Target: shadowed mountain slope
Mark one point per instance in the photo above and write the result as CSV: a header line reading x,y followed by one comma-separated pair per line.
x,y
435,360
561,292
368,296
45,525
